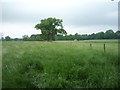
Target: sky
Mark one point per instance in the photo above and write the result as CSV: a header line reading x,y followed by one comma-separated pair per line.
x,y
18,17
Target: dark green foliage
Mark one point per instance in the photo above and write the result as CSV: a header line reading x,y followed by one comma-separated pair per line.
x,y
118,34
38,37
16,39
7,38
25,37
50,27
2,39
109,34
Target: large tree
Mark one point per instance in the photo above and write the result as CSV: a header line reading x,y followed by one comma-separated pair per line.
x,y
25,37
7,38
109,34
50,27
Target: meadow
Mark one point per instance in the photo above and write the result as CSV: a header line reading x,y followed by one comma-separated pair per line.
x,y
60,64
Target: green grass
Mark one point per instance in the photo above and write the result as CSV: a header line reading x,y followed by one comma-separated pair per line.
x,y
60,64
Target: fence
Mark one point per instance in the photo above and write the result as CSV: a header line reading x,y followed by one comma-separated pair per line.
x,y
104,47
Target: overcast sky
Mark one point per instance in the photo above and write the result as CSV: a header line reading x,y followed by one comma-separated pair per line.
x,y
79,16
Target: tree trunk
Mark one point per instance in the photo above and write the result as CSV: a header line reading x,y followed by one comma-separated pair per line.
x,y
49,37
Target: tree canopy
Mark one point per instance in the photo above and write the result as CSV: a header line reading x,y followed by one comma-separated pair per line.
x,y
25,37
108,34
50,27
7,38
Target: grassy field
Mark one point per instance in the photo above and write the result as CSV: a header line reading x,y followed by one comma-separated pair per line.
x,y
60,64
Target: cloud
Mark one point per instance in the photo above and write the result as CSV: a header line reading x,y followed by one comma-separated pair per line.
x,y
82,13
19,29
79,16
113,15
89,29
58,0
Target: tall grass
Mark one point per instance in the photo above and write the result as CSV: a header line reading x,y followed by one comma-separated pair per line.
x,y
59,65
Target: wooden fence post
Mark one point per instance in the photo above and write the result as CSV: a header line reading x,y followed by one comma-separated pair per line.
x,y
104,48
90,45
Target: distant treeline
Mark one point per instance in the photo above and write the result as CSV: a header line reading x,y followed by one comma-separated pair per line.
x,y
109,34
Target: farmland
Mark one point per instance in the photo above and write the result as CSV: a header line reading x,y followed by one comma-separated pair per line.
x,y
60,64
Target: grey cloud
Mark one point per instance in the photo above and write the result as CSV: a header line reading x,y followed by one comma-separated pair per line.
x,y
88,14
93,15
